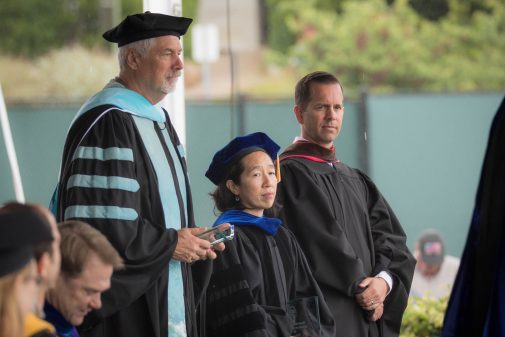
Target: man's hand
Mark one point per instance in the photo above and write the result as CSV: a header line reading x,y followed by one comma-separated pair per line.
x,y
191,248
374,294
377,313
220,246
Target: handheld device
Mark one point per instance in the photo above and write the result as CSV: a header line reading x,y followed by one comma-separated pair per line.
x,y
216,235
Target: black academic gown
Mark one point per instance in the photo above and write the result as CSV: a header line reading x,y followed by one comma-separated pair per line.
x,y
348,232
136,304
476,307
252,282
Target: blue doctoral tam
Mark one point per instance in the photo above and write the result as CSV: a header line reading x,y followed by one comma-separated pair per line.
x,y
145,26
235,150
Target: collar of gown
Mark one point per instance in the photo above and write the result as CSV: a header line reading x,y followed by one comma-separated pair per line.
x,y
241,218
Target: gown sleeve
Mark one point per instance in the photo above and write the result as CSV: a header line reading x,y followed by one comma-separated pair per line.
x,y
306,286
107,181
391,254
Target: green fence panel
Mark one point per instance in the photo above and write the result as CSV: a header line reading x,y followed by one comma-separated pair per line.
x,y
38,135
425,154
208,129
424,151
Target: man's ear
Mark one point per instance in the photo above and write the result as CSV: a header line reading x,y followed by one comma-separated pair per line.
x,y
133,59
232,186
298,113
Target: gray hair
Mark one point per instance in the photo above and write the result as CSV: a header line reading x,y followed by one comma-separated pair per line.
x,y
142,47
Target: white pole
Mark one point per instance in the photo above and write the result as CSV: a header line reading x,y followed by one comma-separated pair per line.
x,y
11,152
174,102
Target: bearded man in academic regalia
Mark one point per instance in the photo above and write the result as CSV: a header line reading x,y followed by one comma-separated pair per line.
x,y
353,241
124,172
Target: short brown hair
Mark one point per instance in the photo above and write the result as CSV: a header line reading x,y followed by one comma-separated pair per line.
x,y
78,240
302,89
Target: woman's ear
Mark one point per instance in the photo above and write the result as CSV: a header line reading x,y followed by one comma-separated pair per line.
x,y
230,184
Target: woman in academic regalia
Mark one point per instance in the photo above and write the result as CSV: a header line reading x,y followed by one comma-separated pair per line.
x,y
261,284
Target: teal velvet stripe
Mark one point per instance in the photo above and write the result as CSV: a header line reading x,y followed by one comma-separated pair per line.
x,y
166,184
181,150
126,99
95,181
97,153
171,211
179,170
100,212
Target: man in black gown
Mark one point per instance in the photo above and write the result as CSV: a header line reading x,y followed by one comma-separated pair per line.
x,y
124,172
353,241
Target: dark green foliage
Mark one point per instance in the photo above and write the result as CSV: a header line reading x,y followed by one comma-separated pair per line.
x,y
31,28
279,37
27,30
434,10
430,9
189,9
130,7
391,48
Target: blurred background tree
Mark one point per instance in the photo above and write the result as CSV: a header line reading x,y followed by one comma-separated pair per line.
x,y
44,25
42,42
390,47
21,21
387,45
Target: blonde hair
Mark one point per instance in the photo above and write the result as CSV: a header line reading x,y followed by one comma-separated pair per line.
x,y
11,320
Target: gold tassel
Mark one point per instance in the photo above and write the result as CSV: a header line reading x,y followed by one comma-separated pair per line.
x,y
278,169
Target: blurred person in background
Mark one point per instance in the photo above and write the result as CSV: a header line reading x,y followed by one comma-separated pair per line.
x,y
48,260
87,263
20,233
354,243
264,262
435,270
124,172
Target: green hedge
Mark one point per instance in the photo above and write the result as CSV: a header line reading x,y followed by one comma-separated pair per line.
x,y
424,317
